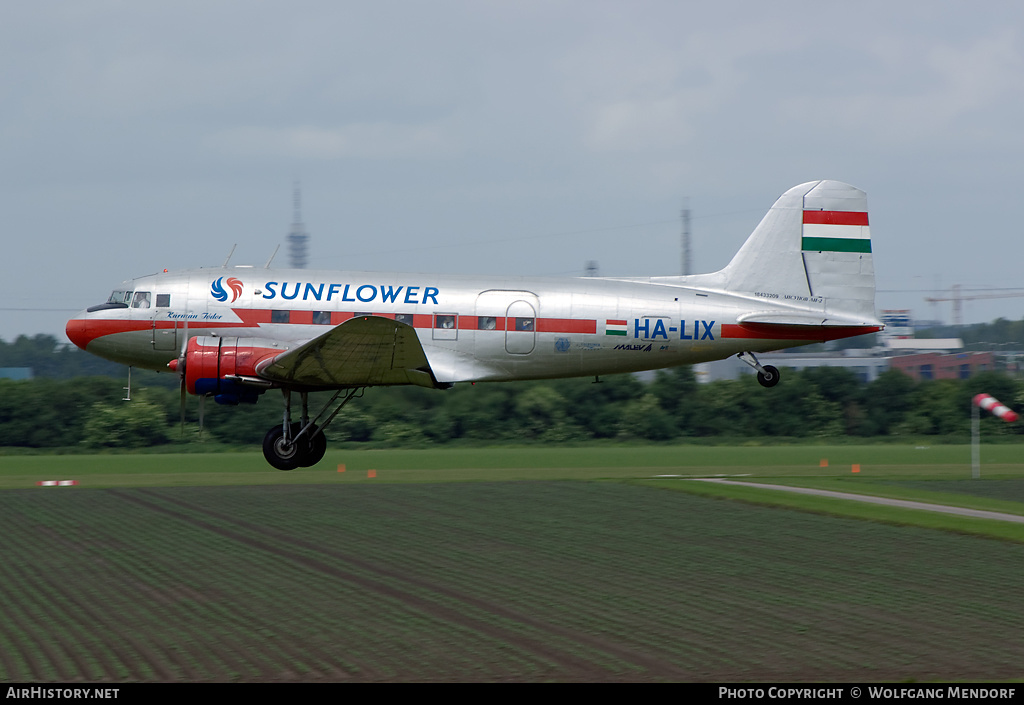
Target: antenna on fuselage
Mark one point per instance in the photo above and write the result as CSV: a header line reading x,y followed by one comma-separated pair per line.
x,y
272,256
225,265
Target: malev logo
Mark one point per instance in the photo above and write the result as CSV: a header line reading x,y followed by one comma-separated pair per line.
x,y
218,292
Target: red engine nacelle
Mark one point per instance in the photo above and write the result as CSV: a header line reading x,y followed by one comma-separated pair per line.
x,y
209,359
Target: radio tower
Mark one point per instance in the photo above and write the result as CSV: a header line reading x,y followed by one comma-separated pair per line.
x,y
687,256
298,238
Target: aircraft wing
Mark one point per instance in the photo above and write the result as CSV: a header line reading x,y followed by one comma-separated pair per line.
x,y
363,351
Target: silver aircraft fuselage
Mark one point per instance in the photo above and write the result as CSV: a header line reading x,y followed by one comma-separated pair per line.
x,y
471,328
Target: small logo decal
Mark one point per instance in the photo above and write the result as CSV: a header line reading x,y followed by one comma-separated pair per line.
x,y
218,292
562,345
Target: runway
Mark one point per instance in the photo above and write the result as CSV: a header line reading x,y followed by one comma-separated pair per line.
x,y
907,504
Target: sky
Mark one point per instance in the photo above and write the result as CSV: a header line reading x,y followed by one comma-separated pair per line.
x,y
506,138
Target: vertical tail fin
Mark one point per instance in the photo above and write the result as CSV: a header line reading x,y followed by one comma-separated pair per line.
x,y
812,249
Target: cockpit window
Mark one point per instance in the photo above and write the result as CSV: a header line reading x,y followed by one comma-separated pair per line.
x,y
163,300
119,297
142,300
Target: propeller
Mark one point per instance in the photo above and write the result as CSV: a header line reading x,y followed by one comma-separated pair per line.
x,y
178,365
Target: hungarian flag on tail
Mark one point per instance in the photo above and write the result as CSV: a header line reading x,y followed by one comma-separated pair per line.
x,y
836,231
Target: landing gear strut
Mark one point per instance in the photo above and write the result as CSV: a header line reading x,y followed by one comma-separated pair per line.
x,y
294,444
767,375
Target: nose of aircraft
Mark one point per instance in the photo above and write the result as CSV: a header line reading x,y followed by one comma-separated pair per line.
x,y
77,331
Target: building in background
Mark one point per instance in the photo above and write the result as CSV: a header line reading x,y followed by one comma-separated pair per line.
x,y
897,349
865,364
932,365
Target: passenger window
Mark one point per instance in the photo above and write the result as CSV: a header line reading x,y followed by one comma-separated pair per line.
x,y
280,316
524,324
322,318
444,321
163,300
486,322
405,318
141,300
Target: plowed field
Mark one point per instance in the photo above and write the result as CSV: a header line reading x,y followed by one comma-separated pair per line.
x,y
487,581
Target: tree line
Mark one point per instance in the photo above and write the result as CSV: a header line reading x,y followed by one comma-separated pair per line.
x,y
825,403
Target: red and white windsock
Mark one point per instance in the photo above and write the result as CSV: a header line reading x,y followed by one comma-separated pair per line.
x,y
991,404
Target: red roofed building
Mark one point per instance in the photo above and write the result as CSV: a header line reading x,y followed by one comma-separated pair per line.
x,y
932,365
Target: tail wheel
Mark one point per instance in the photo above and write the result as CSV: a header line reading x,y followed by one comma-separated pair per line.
x,y
769,377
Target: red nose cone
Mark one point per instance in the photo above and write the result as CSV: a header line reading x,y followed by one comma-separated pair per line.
x,y
78,332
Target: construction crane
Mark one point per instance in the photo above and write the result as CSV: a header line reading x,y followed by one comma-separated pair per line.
x,y
958,299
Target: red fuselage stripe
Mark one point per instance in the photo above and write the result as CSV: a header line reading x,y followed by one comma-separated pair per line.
x,y
253,317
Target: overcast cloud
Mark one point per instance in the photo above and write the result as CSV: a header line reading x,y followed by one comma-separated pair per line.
x,y
500,137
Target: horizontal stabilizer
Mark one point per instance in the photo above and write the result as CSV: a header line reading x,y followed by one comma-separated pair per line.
x,y
811,329
801,319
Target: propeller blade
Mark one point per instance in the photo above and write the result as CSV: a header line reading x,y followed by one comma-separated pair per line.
x,y
182,388
182,357
202,404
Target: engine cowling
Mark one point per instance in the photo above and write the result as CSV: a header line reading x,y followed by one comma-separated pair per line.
x,y
211,360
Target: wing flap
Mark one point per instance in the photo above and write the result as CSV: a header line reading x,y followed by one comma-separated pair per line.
x,y
361,352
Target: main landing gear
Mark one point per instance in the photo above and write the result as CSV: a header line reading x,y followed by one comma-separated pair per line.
x,y
767,375
301,444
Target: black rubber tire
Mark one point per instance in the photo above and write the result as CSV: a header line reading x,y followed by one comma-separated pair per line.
x,y
770,376
279,456
315,448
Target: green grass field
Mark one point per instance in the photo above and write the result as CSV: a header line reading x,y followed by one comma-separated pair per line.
x,y
520,563
901,472
519,463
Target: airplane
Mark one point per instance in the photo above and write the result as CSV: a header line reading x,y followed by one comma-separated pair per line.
x,y
805,275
